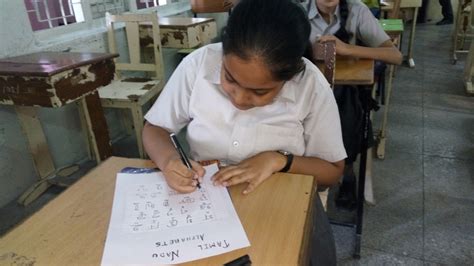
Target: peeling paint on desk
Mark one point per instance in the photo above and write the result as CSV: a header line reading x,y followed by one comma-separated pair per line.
x,y
25,90
58,90
11,258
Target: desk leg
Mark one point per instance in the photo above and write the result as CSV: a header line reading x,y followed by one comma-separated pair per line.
x,y
382,136
411,61
38,146
362,169
469,70
96,126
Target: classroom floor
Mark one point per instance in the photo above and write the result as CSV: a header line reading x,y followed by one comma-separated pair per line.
x,y
424,211
424,188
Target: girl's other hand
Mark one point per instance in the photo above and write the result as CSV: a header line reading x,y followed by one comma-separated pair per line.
x,y
180,178
253,171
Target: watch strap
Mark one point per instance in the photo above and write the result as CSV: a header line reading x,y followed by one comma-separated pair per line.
x,y
289,161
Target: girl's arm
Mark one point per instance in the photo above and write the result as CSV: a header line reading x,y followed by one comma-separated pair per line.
x,y
386,52
326,173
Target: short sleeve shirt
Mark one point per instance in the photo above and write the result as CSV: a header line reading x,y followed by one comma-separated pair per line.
x,y
302,119
360,22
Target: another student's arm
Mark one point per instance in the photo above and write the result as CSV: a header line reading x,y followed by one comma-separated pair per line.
x,y
386,52
161,151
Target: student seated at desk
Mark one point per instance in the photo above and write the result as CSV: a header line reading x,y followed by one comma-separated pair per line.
x,y
254,103
349,24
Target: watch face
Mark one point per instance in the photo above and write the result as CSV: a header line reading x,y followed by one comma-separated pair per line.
x,y
284,153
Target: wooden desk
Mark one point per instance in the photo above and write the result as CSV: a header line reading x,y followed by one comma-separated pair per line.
x,y
72,228
350,71
181,32
53,79
408,4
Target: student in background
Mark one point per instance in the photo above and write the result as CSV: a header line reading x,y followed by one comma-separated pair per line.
x,y
374,7
447,11
256,104
357,33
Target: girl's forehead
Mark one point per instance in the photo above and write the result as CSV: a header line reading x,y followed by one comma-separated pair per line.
x,y
249,73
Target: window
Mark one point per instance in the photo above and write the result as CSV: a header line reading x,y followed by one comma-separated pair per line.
x,y
85,14
141,4
46,14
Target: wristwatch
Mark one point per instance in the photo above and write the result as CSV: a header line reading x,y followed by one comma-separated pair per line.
x,y
289,160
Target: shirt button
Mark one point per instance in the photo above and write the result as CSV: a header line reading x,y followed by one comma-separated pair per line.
x,y
235,143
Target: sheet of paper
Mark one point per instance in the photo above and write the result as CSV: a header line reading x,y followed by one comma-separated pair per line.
x,y
152,224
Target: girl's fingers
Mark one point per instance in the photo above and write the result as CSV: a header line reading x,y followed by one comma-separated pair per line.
x,y
236,179
182,184
179,168
226,174
250,188
199,169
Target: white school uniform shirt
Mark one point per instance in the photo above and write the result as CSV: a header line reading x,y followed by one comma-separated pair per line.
x,y
302,119
360,22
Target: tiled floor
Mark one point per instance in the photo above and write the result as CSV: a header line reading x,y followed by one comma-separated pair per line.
x,y
424,188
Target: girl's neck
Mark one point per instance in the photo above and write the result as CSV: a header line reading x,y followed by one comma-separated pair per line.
x,y
327,13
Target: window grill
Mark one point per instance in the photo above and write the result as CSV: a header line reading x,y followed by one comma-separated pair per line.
x,y
45,14
141,4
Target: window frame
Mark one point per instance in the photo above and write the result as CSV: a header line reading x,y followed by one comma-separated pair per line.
x,y
90,26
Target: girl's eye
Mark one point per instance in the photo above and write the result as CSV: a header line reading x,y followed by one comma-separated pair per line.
x,y
260,92
229,79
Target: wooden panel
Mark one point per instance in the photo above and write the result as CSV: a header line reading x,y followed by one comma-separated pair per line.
x,y
98,126
410,3
140,67
180,32
129,91
210,6
133,42
31,125
274,217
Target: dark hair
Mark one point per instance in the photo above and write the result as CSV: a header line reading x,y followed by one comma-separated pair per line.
x,y
342,34
275,30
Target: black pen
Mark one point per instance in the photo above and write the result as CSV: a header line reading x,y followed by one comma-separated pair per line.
x,y
183,156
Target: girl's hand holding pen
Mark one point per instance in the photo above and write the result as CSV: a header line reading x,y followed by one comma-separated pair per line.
x,y
253,171
180,178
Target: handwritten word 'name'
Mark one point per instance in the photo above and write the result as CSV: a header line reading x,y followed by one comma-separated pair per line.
x,y
179,240
171,254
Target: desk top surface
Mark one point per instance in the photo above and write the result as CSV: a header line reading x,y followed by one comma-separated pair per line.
x,y
169,22
351,71
48,63
72,228
391,25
